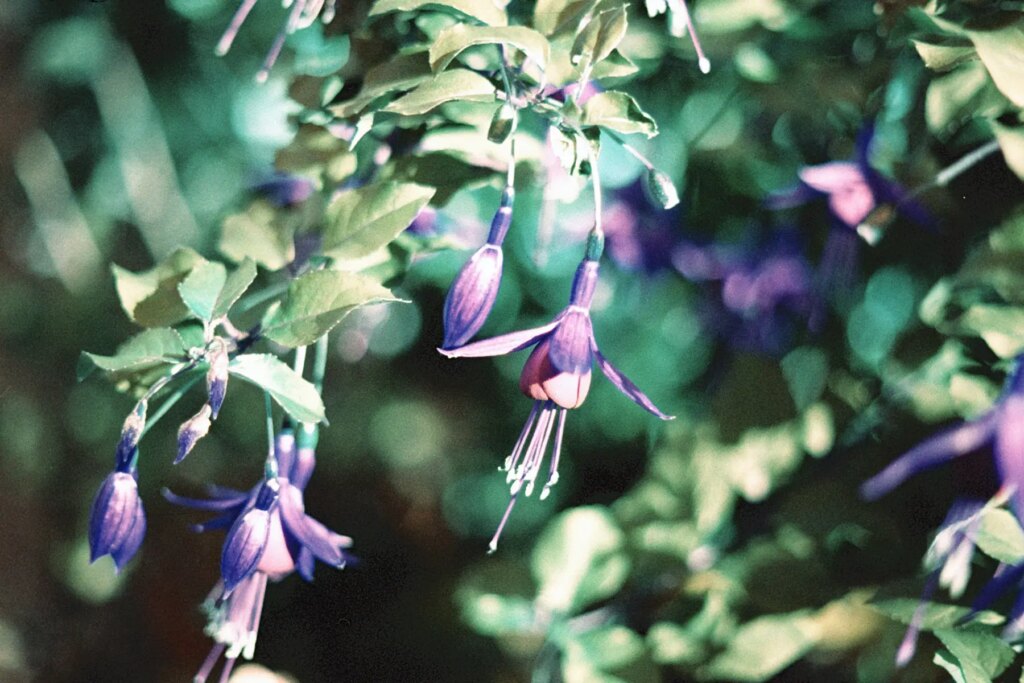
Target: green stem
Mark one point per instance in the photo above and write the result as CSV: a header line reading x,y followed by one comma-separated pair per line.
x,y
320,363
299,365
270,468
167,404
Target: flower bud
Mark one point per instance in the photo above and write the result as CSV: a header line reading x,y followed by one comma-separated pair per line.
x,y
472,296
117,523
217,378
247,539
502,123
660,189
132,429
193,429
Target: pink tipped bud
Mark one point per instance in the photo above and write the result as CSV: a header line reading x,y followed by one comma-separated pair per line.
x,y
217,378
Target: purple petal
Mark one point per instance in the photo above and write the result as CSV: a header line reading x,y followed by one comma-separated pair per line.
x,y
787,199
211,505
244,546
623,384
472,295
1009,447
314,537
994,589
506,343
306,564
571,342
114,513
945,446
832,177
131,543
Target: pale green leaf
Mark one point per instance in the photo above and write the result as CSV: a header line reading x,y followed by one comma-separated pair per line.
x,y
1000,536
763,647
1002,51
944,57
982,656
400,73
551,15
150,298
805,370
935,616
318,301
454,39
234,287
362,220
578,559
484,11
495,615
1002,327
201,288
254,234
619,112
456,85
149,348
297,396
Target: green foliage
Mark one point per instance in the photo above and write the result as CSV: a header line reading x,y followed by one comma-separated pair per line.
x,y
299,398
361,221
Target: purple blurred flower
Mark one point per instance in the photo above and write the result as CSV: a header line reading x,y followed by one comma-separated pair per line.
x,y
475,288
641,235
303,13
1003,426
556,376
270,536
117,523
285,190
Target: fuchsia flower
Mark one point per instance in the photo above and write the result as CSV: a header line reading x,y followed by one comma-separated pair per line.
x,y
557,377
270,536
117,523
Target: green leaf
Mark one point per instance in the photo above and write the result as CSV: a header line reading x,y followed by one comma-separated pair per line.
x,y
1002,51
619,112
402,72
316,55
936,615
483,11
234,287
1002,327
550,15
454,39
1011,142
578,559
672,644
298,397
146,349
805,370
960,95
599,37
495,615
982,656
1000,536
763,647
362,220
201,288
944,57
318,301
455,85
257,234
150,298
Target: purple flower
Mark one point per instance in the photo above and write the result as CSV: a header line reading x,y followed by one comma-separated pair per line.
x,y
1003,426
193,429
303,14
557,377
270,536
117,523
641,234
475,288
285,190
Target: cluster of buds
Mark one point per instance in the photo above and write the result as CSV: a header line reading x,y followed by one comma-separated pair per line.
x,y
557,377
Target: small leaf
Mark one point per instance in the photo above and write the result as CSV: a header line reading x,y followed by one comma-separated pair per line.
x,y
201,288
402,72
455,85
805,370
146,349
255,234
944,57
550,15
298,397
982,656
580,558
495,615
1000,536
150,298
362,220
619,112
318,301
763,647
236,285
1002,327
1002,51
484,11
454,39
316,55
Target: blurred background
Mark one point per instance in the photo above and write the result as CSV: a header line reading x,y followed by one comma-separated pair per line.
x,y
790,355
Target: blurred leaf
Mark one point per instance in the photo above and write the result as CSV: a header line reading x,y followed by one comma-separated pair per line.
x,y
400,73
607,654
146,349
201,289
1002,51
1000,536
549,15
234,287
578,559
763,647
318,301
362,220
150,298
496,615
982,656
960,95
936,615
805,370
316,55
252,234
599,37
485,12
944,57
317,154
457,38
1011,142
455,85
1002,327
298,397
673,644
619,112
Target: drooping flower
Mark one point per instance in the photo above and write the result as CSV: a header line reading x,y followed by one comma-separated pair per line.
x,y
269,536
557,376
1002,426
117,523
475,288
192,430
303,13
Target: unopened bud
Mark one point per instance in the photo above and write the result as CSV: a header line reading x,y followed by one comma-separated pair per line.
x,y
660,189
193,429
472,296
217,378
131,431
502,123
